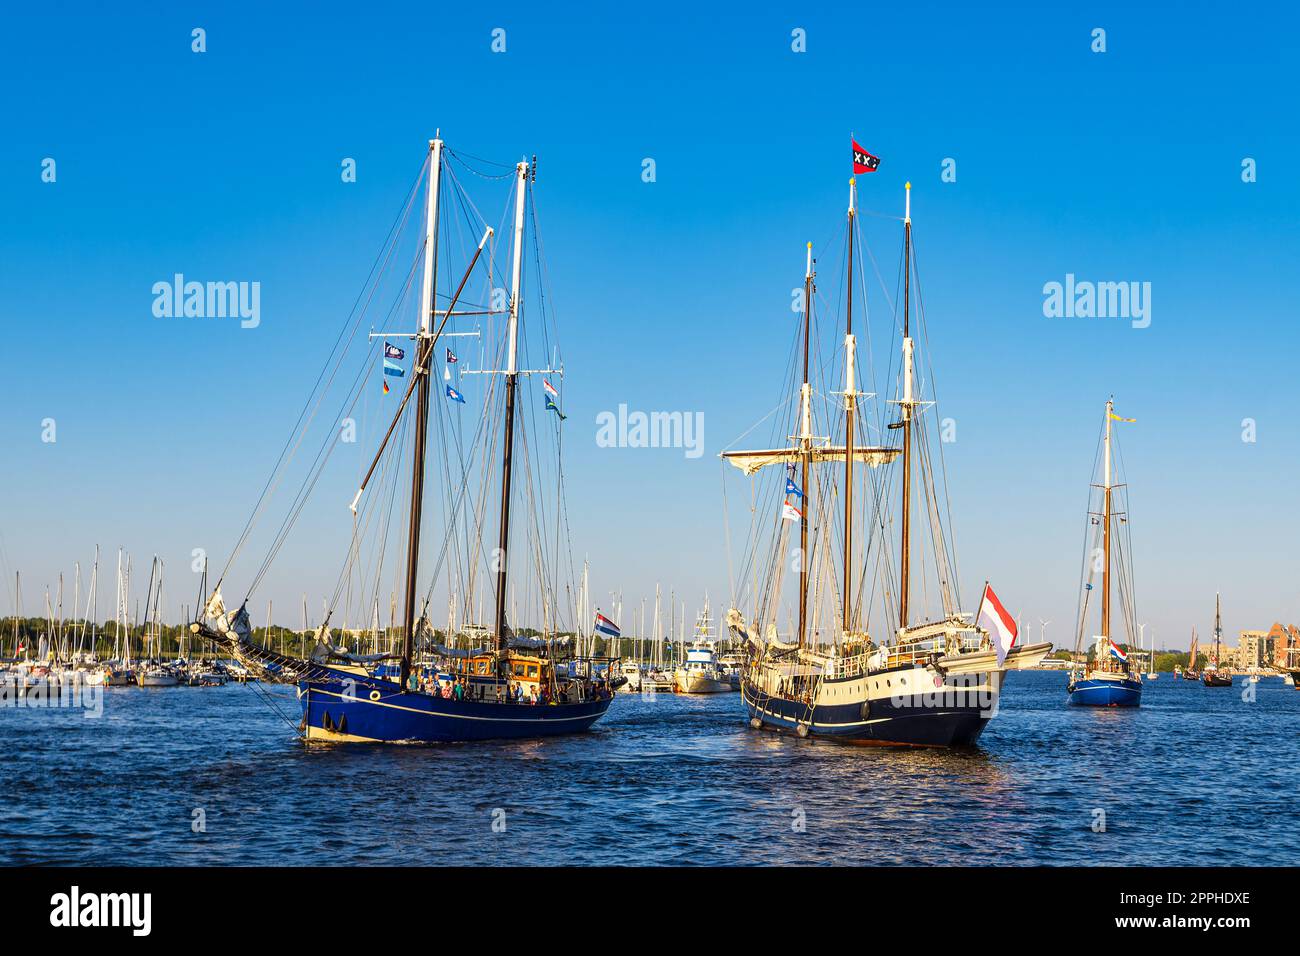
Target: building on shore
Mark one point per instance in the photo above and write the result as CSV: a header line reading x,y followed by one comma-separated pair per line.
x,y
1254,649
1271,648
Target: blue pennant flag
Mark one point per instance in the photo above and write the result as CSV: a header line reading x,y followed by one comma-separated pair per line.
x,y
392,368
791,488
1087,587
454,395
552,407
393,352
451,357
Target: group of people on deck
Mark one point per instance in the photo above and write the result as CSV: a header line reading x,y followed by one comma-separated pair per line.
x,y
510,692
457,689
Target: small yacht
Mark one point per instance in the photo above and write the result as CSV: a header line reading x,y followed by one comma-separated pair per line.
x,y
632,674
157,676
702,673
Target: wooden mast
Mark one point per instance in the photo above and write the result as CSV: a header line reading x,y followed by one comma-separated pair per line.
x,y
423,356
512,375
1105,533
850,403
905,556
805,443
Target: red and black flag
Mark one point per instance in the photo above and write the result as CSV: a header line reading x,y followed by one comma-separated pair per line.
x,y
864,162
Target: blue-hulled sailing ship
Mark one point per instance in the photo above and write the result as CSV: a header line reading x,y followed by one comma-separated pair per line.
x,y
478,681
932,682
1108,678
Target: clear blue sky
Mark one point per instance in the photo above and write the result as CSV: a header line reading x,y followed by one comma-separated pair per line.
x,y
673,295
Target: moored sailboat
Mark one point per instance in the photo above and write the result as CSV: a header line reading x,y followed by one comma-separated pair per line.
x,y
1108,679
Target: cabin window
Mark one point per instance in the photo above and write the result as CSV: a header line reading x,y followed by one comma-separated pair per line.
x,y
532,670
519,670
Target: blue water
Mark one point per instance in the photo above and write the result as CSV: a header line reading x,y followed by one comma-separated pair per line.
x,y
1195,776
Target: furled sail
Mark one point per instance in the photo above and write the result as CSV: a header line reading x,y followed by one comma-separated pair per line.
x,y
751,461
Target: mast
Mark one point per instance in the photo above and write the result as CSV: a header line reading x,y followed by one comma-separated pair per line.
x,y
805,445
1105,534
850,403
905,555
1218,628
423,354
512,375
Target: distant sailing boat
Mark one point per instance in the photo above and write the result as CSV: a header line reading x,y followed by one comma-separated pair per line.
x,y
431,692
1110,679
1191,673
938,682
1212,676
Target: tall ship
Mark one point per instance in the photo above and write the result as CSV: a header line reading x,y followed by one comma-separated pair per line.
x,y
482,679
1215,674
812,666
1108,678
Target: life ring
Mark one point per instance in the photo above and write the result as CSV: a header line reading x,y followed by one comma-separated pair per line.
x,y
375,695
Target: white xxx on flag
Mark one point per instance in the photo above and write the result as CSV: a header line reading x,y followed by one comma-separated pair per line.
x,y
995,619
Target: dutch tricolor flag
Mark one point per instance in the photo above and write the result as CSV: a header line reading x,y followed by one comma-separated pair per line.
x,y
1117,652
605,626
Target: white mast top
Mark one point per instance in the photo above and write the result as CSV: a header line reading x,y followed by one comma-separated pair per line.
x,y
1110,410
908,346
521,186
430,237
805,393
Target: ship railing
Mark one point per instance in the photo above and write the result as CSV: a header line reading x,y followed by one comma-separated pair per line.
x,y
912,654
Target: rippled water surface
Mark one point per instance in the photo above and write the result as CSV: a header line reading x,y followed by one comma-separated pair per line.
x,y
1196,776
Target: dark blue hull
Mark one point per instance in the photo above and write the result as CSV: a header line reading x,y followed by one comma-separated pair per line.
x,y
1091,692
372,710
879,722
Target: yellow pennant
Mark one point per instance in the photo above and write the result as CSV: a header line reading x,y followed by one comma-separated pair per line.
x,y
1118,419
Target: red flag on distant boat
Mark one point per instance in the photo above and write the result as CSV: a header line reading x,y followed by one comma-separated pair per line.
x,y
995,619
864,162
